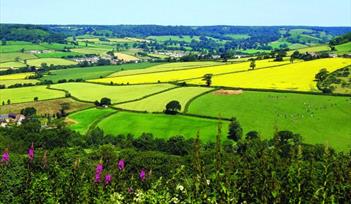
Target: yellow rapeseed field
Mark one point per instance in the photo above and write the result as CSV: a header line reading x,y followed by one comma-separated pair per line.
x,y
16,76
177,75
298,76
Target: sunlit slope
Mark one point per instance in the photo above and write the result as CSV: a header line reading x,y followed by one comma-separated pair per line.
x,y
298,76
186,74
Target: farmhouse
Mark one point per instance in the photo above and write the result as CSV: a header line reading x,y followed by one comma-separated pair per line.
x,y
11,118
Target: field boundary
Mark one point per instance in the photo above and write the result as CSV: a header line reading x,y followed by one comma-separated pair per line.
x,y
146,96
67,92
186,107
95,121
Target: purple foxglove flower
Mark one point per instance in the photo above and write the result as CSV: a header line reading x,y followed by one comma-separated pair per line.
x,y
121,164
99,168
142,175
97,178
5,157
31,152
108,179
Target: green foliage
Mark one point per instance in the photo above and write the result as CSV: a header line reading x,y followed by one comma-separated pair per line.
x,y
173,107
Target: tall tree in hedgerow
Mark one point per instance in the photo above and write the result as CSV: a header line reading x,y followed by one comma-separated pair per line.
x,y
235,131
208,79
173,107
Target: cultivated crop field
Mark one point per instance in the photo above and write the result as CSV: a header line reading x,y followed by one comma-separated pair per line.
x,y
297,77
82,120
10,82
92,92
16,76
160,125
166,67
186,74
49,61
157,103
8,57
92,72
27,94
46,107
125,57
314,117
6,65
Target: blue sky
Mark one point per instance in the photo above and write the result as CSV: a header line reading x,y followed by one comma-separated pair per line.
x,y
178,12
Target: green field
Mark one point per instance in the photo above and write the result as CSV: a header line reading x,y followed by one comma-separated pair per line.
x,y
161,125
92,92
49,61
46,107
7,65
319,119
58,54
27,94
238,36
92,72
157,103
184,38
11,56
81,121
18,47
343,48
97,51
17,81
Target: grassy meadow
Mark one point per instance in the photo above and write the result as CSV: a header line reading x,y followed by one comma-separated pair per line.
x,y
316,118
157,103
82,120
27,94
160,125
49,61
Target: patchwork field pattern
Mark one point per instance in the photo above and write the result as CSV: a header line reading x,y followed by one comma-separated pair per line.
x,y
92,92
297,77
27,94
81,121
157,103
160,125
314,117
179,75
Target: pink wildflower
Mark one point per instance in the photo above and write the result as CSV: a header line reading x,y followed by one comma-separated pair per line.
x,y
142,175
31,152
121,164
108,179
5,156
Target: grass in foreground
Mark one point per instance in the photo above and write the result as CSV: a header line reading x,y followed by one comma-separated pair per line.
x,y
92,92
81,121
27,94
157,103
160,125
319,119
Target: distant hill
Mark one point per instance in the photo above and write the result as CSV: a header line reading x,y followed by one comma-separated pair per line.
x,y
31,33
